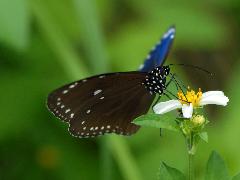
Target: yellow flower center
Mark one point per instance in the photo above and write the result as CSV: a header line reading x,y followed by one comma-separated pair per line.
x,y
190,97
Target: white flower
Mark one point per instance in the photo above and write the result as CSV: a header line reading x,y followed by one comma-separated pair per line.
x,y
187,102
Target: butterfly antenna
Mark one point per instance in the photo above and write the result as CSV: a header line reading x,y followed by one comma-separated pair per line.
x,y
178,84
196,67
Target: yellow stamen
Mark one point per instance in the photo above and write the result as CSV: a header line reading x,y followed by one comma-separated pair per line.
x,y
190,97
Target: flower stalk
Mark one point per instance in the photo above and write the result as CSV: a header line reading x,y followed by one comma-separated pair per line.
x,y
191,149
190,166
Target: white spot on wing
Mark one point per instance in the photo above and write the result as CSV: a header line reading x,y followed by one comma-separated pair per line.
x,y
141,66
88,111
68,110
72,86
97,92
153,48
170,31
71,116
65,91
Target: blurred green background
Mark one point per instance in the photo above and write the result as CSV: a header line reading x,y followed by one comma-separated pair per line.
x,y
47,43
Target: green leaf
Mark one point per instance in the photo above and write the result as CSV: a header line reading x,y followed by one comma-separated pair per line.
x,y
168,173
158,121
14,23
204,136
216,169
236,177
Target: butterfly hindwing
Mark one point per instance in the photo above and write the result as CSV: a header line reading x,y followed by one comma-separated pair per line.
x,y
102,104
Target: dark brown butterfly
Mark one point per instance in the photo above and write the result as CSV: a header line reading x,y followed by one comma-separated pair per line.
x,y
108,103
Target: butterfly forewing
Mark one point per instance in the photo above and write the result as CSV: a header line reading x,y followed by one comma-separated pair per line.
x,y
102,104
159,53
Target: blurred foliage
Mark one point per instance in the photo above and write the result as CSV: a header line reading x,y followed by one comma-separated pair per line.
x,y
44,44
169,173
216,168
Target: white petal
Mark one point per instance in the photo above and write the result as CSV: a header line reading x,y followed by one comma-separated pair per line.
x,y
187,110
209,93
214,97
164,107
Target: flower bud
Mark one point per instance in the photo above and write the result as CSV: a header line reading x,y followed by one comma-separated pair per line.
x,y
198,120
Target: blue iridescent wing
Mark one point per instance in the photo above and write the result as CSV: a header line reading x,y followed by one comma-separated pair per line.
x,y
159,53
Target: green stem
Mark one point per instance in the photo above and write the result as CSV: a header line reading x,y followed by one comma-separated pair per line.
x,y
190,145
190,167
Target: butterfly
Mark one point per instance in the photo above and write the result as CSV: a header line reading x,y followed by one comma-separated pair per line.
x,y
107,103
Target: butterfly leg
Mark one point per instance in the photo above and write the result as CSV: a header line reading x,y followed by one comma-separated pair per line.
x,y
179,80
167,96
178,85
159,97
172,78
175,81
170,93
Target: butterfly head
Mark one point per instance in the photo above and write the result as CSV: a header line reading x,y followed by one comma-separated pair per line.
x,y
155,81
